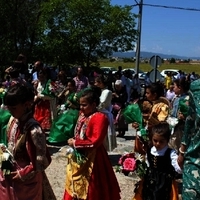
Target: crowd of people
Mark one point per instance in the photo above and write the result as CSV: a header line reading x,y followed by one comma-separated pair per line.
x,y
88,114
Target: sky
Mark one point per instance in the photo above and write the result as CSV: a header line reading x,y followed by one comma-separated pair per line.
x,y
169,31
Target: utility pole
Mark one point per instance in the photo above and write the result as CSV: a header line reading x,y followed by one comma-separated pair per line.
x,y
137,62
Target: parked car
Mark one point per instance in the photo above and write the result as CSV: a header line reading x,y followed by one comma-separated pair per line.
x,y
142,78
106,70
173,71
133,71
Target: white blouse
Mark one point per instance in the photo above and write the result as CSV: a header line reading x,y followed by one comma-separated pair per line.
x,y
173,156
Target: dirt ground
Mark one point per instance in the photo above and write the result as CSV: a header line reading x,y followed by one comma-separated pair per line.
x,y
56,174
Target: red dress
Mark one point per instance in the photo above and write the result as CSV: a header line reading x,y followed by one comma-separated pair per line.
x,y
43,114
102,182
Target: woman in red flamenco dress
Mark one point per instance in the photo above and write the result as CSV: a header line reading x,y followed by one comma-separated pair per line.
x,y
89,172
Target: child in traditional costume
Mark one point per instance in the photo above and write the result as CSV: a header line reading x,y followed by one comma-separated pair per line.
x,y
158,182
89,172
26,146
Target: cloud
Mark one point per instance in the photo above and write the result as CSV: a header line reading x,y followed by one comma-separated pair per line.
x,y
144,48
152,48
157,48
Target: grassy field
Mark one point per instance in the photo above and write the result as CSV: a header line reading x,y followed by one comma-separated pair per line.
x,y
188,68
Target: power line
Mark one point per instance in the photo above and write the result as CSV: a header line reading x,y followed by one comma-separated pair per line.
x,y
168,7
173,7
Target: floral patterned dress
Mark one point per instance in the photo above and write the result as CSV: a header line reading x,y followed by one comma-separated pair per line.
x,y
191,138
26,141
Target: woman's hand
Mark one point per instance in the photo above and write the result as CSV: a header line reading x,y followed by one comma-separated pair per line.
x,y
71,142
181,116
3,148
135,125
180,160
115,95
15,175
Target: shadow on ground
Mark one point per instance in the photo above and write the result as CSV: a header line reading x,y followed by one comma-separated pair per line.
x,y
114,159
55,147
52,150
129,137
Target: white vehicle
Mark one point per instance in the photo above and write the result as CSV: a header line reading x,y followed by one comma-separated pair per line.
x,y
173,71
107,69
133,71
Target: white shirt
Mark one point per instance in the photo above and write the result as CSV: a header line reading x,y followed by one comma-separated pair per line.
x,y
170,95
173,156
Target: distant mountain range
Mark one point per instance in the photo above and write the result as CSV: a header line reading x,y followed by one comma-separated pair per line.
x,y
144,54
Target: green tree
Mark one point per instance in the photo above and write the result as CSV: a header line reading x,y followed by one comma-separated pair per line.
x,y
81,31
172,60
20,27
64,31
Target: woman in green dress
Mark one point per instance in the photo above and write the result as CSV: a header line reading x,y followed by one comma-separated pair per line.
x,y
63,125
189,151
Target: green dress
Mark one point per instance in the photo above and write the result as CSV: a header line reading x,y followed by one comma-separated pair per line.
x,y
191,138
4,118
63,125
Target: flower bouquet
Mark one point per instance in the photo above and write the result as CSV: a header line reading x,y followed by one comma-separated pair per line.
x,y
172,121
61,109
132,162
2,94
6,160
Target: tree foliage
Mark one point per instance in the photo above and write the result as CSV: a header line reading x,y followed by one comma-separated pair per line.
x,y
172,60
65,31
20,27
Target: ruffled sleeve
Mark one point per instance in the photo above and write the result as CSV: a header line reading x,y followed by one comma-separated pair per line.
x,y
174,162
95,133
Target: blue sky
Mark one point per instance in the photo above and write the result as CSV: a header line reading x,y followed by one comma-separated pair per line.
x,y
169,31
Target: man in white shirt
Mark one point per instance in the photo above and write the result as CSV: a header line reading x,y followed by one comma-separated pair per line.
x,y
170,93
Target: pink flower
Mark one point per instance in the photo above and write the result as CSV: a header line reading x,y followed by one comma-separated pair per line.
x,y
120,161
129,164
125,156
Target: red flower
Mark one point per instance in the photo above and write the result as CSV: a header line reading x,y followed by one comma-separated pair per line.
x,y
129,164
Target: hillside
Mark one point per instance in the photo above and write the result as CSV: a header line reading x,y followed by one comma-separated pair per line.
x,y
144,54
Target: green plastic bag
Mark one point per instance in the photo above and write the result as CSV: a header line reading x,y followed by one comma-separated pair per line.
x,y
132,113
63,126
47,91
